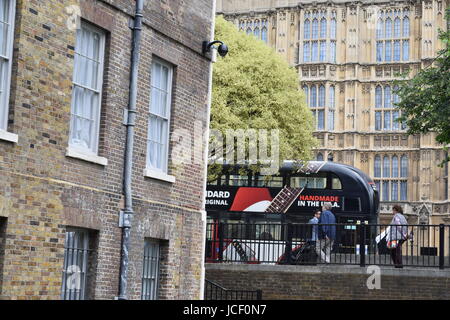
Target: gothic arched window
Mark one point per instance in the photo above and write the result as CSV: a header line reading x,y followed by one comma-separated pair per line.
x,y
397,24
404,166
306,91
264,34
322,96
313,97
306,51
388,30
404,174
394,166
256,32
315,29
377,168
386,167
406,27
333,28
378,97
323,28
392,36
307,30
331,108
387,97
380,28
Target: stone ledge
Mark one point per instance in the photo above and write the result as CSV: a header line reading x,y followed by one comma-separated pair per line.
x,y
77,154
8,136
336,269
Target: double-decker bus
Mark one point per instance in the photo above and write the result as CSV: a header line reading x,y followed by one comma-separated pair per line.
x,y
251,198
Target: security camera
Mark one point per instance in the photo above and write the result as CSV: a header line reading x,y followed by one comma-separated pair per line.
x,y
223,50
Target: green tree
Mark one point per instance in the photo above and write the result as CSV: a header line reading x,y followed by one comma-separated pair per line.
x,y
254,88
425,99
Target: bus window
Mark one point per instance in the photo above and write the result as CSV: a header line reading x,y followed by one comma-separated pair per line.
x,y
269,181
214,182
352,205
238,181
335,183
223,180
310,182
234,230
268,231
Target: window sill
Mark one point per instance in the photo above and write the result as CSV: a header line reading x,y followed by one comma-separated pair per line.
x,y
8,136
148,173
77,154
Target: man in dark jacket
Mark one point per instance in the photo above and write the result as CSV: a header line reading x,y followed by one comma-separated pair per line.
x,y
327,232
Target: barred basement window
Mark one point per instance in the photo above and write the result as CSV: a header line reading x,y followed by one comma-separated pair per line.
x,y
7,14
76,263
2,248
150,272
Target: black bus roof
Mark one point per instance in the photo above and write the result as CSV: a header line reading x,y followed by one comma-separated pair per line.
x,y
311,167
323,166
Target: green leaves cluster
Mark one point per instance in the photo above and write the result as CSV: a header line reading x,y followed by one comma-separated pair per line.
x,y
425,99
254,88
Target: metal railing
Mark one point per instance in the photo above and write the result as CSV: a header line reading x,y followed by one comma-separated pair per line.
x,y
213,291
356,244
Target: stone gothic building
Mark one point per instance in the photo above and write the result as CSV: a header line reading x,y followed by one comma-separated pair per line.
x,y
347,54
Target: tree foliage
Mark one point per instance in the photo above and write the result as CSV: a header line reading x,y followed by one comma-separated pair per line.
x,y
254,88
425,99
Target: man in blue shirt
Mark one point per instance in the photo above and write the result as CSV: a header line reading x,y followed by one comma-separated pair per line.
x,y
327,232
315,228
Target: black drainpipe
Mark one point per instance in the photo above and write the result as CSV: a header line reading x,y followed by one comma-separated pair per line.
x,y
130,115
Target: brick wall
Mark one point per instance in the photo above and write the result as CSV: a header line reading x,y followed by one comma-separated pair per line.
x,y
331,282
2,247
42,191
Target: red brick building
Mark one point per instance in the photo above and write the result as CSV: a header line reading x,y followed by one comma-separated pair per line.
x,y
64,88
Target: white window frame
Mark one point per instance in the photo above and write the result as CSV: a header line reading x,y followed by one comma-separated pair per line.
x,y
76,151
151,172
4,103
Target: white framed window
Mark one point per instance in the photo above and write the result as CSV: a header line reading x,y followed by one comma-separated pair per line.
x,y
87,89
159,116
7,15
